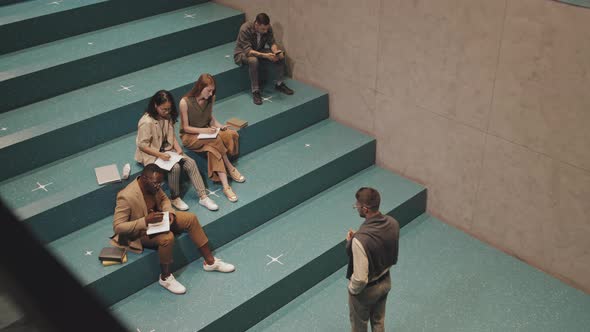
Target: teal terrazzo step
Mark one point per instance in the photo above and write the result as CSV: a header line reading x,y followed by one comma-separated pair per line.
x,y
280,176
446,281
308,241
74,186
54,122
93,57
31,23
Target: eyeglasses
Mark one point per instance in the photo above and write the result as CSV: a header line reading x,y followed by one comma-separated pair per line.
x,y
156,185
355,206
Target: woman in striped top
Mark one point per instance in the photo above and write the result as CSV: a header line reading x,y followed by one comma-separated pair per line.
x,y
156,139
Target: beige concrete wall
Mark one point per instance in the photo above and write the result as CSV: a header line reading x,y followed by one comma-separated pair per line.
x,y
485,102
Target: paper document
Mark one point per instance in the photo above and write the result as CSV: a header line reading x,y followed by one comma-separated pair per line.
x,y
207,136
167,164
107,174
161,227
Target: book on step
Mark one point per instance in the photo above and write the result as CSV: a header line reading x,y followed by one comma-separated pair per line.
x,y
112,254
107,174
237,123
109,263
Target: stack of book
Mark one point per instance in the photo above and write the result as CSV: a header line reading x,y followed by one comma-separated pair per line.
x,y
112,256
236,123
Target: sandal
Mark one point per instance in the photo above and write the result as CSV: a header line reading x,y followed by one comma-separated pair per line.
x,y
236,175
229,193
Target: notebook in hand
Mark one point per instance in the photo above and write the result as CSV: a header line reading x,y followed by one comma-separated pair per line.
x,y
112,254
208,136
107,174
168,164
160,227
237,123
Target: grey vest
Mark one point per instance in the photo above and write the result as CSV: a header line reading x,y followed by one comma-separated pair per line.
x,y
380,239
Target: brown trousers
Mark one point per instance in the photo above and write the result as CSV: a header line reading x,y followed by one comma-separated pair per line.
x,y
226,143
164,242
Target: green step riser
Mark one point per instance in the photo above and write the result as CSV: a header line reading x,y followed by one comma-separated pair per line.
x,y
144,271
48,227
264,133
9,2
44,29
279,294
122,120
87,71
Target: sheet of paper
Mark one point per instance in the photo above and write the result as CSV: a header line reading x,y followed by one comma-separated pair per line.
x,y
107,174
167,164
207,136
161,227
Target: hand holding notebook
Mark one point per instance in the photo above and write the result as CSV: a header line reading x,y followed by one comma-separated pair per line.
x,y
209,136
167,164
160,227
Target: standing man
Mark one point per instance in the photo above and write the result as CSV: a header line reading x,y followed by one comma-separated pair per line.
x,y
255,44
372,250
142,203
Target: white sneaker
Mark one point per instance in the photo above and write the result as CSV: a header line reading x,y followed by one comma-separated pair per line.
x,y
219,265
172,285
208,203
179,204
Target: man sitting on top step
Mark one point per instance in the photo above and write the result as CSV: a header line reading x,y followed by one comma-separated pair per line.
x,y
255,44
142,203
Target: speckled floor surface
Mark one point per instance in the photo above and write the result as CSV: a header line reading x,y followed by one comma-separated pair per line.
x,y
263,258
447,281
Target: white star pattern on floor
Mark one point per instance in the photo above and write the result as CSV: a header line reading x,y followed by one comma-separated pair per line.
x,y
125,88
214,192
274,259
42,186
189,15
88,253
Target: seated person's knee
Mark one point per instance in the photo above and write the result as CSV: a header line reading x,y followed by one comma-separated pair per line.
x,y
175,168
166,239
193,220
190,162
252,60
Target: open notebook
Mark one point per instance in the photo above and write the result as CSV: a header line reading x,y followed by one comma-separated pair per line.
x,y
208,136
